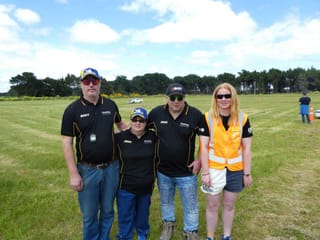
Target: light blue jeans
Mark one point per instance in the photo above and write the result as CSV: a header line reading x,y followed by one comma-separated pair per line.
x,y
97,200
188,189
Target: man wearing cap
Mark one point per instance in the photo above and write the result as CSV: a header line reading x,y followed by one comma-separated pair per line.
x,y
90,120
176,124
137,149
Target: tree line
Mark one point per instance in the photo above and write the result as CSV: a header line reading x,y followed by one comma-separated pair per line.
x,y
246,82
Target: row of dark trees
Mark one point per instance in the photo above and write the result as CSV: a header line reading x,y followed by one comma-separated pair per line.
x,y
265,82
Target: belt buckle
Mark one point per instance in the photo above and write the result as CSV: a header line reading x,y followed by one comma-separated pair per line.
x,y
102,165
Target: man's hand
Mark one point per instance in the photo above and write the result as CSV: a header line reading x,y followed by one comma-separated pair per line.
x,y
76,182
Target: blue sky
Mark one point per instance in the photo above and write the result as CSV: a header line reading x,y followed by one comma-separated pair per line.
x,y
52,38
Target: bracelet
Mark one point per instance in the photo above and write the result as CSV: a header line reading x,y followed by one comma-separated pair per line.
x,y
246,174
205,174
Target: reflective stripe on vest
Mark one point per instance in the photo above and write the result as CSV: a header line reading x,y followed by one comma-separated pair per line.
x,y
218,161
224,160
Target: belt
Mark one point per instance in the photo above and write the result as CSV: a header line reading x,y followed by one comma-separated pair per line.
x,y
96,166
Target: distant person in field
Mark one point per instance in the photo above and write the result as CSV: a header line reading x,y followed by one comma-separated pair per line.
x,y
176,123
304,107
226,166
137,150
95,176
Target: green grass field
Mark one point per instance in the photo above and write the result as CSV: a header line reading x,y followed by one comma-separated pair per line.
x,y
283,203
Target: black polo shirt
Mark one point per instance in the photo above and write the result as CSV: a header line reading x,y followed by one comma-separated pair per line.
x,y
177,138
305,100
93,128
246,129
137,161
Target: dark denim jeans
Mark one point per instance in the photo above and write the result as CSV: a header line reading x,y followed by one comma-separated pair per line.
x,y
133,213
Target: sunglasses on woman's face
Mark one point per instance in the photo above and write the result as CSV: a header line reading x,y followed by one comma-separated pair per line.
x,y
87,81
176,97
138,120
226,96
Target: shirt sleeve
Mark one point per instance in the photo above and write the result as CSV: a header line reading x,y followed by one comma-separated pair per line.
x,y
67,122
247,130
203,126
118,116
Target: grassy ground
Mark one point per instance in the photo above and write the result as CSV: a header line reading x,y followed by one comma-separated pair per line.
x,y
283,203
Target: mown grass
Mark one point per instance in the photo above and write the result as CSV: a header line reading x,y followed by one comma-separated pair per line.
x,y
283,203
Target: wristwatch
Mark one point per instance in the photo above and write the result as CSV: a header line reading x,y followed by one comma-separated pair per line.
x,y
246,174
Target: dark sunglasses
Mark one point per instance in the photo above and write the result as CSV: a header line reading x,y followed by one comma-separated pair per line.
x,y
176,97
226,96
138,120
87,81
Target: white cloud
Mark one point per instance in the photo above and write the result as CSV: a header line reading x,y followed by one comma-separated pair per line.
x,y
8,27
68,60
92,31
287,40
192,20
5,20
62,61
43,59
27,16
202,57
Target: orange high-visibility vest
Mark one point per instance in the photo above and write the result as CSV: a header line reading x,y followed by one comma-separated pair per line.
x,y
225,145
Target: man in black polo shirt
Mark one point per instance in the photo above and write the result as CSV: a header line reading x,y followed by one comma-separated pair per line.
x,y
95,177
304,107
177,124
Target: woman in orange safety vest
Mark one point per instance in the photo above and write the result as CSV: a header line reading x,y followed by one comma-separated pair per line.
x,y
226,164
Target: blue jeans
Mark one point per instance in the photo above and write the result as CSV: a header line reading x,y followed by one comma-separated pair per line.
x,y
303,116
97,199
133,212
188,189
304,111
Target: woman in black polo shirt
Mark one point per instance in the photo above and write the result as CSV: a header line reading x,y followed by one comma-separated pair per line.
x,y
137,153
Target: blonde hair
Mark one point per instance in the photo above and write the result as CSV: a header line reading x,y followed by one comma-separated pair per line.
x,y
234,104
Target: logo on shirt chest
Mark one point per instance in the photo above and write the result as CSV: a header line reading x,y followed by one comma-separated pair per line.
x,y
84,115
184,125
147,141
105,112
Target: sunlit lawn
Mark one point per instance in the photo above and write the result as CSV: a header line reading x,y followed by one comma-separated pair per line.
x,y
283,203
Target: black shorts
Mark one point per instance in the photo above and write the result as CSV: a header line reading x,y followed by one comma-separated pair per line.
x,y
234,181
